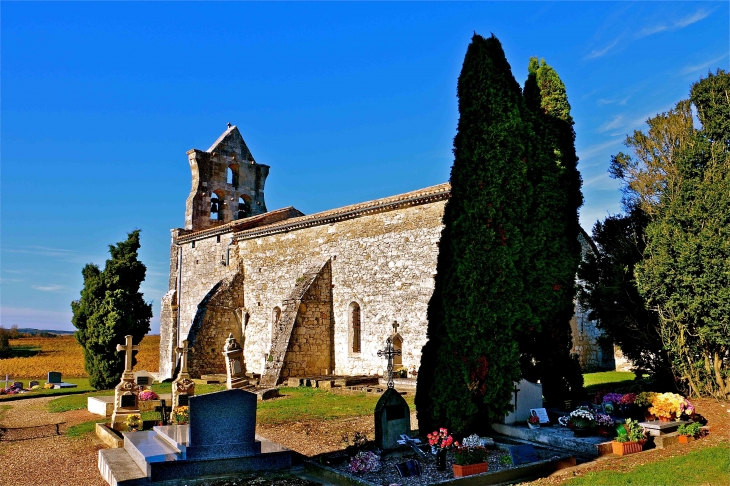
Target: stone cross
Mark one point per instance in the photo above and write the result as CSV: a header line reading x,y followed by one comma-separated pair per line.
x,y
128,348
516,390
395,327
183,352
389,353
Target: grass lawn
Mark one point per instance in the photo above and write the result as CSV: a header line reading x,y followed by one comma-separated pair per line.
x,y
605,377
301,404
710,466
79,430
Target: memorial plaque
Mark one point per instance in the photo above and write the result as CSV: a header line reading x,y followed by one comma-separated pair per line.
x,y
129,401
409,468
182,400
143,380
236,367
394,412
541,414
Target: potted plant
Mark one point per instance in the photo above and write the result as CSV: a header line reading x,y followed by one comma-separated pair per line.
x,y
147,395
583,421
688,432
643,401
631,440
440,442
470,460
604,423
180,415
533,422
132,422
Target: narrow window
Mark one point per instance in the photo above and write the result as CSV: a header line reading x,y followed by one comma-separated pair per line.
x,y
218,238
192,245
232,175
398,346
356,326
244,207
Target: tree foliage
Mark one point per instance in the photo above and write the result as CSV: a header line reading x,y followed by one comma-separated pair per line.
x,y
471,358
5,349
111,307
679,178
551,233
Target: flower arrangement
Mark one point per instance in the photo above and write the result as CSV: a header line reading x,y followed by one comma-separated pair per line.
x,y
598,399
364,462
612,398
534,420
148,395
603,420
441,439
667,405
582,418
465,456
132,421
180,415
644,399
472,441
628,399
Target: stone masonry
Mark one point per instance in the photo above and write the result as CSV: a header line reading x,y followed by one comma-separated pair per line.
x,y
286,284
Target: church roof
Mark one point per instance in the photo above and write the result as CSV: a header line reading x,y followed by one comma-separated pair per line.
x,y
223,136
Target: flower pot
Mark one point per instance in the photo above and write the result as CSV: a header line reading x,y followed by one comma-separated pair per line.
x,y
685,439
602,431
441,460
461,471
649,416
623,448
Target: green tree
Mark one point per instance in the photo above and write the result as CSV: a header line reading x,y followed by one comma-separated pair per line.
x,y
5,350
552,234
609,291
471,357
685,274
111,307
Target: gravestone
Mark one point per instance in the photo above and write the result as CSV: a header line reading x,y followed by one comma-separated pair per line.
x,y
32,384
54,378
235,364
183,387
392,413
126,393
523,454
18,385
223,425
526,396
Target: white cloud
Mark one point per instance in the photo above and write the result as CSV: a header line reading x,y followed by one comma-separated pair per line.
x,y
48,288
594,150
601,182
691,19
616,122
655,29
704,65
598,53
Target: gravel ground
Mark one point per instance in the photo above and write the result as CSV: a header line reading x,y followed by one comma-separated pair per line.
x,y
60,461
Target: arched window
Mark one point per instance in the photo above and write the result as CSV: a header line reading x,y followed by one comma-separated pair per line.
x,y
356,327
244,207
216,207
398,346
232,175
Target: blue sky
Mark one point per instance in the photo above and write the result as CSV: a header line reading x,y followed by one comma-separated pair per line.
x,y
347,102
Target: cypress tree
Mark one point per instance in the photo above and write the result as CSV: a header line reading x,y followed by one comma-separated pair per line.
x,y
471,358
111,306
552,234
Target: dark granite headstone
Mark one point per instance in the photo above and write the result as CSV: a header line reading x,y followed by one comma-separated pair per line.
x,y
223,425
392,419
409,468
54,377
32,384
523,454
182,400
128,401
143,380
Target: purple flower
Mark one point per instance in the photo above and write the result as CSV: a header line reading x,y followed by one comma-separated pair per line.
x,y
612,397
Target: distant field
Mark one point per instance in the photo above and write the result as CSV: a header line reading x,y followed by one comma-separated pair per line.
x,y
65,355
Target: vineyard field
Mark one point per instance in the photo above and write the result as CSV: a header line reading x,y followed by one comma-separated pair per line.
x,y
65,355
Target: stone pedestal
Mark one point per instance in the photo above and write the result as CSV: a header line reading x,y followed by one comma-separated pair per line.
x,y
126,401
182,389
235,364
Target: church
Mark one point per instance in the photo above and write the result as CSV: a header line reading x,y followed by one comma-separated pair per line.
x,y
306,294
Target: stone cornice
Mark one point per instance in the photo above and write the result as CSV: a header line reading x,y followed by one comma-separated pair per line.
x,y
422,196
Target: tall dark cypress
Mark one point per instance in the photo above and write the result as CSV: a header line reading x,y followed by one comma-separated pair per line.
x,y
471,358
552,235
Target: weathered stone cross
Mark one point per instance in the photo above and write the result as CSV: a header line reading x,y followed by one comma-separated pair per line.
x,y
389,353
395,327
184,356
128,348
